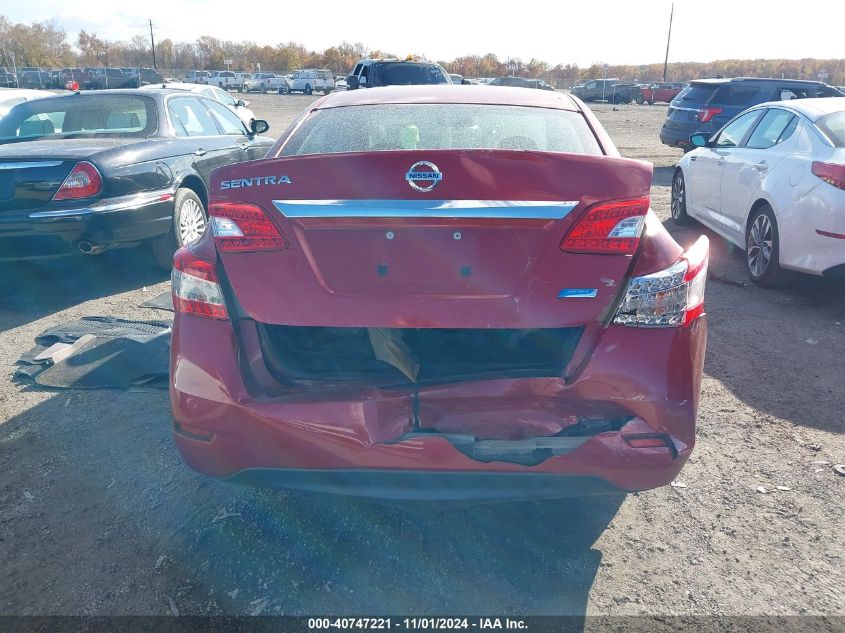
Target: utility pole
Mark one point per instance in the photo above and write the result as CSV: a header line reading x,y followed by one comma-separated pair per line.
x,y
668,39
153,45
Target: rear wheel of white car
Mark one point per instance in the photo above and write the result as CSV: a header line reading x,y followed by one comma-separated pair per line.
x,y
762,250
189,222
679,199
308,89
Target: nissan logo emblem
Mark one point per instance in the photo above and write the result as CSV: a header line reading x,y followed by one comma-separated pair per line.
x,y
423,176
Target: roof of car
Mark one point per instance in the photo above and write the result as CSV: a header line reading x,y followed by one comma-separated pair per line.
x,y
444,93
725,80
813,109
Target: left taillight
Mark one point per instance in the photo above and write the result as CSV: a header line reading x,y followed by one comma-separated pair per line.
x,y
196,286
241,227
609,228
83,181
670,297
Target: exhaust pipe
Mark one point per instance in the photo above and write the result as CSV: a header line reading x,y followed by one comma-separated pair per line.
x,y
90,249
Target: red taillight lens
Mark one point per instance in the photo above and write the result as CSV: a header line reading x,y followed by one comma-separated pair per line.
x,y
611,228
196,288
83,181
241,227
705,114
831,173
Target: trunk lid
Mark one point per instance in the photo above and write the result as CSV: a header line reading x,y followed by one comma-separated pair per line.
x,y
479,250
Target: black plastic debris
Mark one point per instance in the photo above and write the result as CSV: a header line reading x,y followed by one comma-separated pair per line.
x,y
164,301
99,352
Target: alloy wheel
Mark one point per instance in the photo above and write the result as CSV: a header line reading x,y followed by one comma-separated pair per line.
x,y
191,222
678,196
759,247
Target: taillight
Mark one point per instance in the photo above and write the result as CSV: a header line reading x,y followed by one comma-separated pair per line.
x,y
610,228
240,227
670,297
83,181
196,287
831,173
705,114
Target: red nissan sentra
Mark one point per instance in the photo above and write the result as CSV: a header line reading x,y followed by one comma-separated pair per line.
x,y
438,292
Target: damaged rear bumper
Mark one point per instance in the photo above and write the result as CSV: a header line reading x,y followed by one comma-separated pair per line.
x,y
550,437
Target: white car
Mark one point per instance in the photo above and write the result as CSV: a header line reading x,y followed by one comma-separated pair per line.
x,y
772,181
238,106
311,80
340,83
264,82
225,79
10,97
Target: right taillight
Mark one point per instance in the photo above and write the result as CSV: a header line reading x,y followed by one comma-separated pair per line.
x,y
196,287
670,297
609,228
241,227
705,114
831,173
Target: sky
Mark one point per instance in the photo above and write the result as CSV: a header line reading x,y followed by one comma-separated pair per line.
x,y
582,32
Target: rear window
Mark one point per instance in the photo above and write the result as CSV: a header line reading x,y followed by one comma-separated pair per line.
x,y
455,126
833,126
86,116
406,74
696,93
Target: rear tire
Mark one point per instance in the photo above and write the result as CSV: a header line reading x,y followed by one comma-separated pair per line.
x,y
189,222
762,248
679,199
640,100
308,89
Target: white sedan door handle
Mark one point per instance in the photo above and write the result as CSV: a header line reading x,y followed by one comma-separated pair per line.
x,y
761,166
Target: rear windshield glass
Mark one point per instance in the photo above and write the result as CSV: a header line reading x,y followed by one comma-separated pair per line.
x,y
696,93
406,74
84,116
833,126
454,126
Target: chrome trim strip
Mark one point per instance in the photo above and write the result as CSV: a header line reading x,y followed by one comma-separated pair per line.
x,y
512,209
122,203
30,164
685,109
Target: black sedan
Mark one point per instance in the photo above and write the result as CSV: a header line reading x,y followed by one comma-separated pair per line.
x,y
88,172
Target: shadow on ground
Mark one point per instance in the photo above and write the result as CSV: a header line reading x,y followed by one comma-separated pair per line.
x,y
35,288
754,346
109,521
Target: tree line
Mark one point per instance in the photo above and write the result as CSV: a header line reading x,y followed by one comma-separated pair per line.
x,y
46,44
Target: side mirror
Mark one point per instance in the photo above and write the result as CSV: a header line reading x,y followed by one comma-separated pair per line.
x,y
241,103
259,126
699,140
351,82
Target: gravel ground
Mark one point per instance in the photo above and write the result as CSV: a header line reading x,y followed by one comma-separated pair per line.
x,y
98,515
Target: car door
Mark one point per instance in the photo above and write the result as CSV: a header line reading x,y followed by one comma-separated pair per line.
x,y
708,165
207,146
768,143
242,144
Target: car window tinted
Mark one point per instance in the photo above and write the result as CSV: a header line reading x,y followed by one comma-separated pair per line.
x,y
771,128
738,95
228,120
735,131
833,126
464,126
697,93
404,73
82,116
190,118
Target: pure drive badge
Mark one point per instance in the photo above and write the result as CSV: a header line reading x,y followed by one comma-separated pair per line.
x,y
256,181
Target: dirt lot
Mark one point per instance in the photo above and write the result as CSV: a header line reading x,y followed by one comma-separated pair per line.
x,y
98,515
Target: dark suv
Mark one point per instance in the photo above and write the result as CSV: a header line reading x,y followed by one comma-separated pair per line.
x,y
610,90
369,73
707,104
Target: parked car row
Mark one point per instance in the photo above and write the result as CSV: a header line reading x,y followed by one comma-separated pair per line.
x,y
79,78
